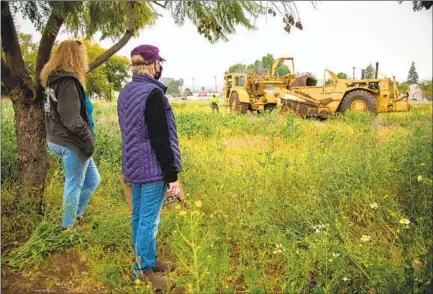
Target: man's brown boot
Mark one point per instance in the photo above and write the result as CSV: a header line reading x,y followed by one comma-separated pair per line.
x,y
162,266
159,283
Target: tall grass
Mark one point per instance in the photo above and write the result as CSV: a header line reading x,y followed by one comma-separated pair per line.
x,y
274,204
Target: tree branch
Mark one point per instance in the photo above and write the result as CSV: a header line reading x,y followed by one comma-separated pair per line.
x,y
161,5
119,45
276,6
6,76
314,4
10,43
49,36
297,12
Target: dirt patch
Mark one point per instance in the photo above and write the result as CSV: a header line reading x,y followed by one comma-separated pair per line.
x,y
11,280
63,265
53,277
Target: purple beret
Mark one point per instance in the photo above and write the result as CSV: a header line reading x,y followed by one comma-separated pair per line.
x,y
148,52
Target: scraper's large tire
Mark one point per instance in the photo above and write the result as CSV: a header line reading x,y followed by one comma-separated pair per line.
x,y
236,105
359,100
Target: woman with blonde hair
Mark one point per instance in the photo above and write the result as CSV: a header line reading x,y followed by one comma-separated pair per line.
x,y
68,128
150,157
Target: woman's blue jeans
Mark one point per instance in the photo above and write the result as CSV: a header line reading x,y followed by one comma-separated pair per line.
x,y
147,200
81,180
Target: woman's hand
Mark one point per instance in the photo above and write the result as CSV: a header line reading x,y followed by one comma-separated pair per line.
x,y
174,188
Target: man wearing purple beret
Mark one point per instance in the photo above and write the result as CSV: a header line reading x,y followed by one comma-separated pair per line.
x,y
151,157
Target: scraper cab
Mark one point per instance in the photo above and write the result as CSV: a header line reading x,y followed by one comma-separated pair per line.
x,y
243,92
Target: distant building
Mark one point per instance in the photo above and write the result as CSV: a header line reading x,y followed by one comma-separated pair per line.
x,y
415,92
166,80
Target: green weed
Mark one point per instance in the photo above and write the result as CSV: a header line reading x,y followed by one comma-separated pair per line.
x,y
287,205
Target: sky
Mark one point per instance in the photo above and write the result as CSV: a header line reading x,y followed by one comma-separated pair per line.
x,y
337,35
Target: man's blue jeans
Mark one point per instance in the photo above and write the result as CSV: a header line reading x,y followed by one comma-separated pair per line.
x,y
81,180
147,200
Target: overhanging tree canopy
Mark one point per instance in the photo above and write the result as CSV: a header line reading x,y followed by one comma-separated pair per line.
x,y
420,5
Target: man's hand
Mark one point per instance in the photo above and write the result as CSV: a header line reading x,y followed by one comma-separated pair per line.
x,y
174,188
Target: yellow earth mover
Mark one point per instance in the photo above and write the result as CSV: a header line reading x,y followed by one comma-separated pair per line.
x,y
255,92
304,97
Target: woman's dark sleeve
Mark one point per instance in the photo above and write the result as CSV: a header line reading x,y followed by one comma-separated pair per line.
x,y
157,127
69,110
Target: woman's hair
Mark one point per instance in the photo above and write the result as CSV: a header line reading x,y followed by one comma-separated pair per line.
x,y
70,56
143,67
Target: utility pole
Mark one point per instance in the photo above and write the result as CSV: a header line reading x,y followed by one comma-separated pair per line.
x,y
193,86
216,90
353,77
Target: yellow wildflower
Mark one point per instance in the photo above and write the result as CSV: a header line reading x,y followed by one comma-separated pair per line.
x,y
417,264
182,213
190,288
419,178
405,221
177,207
198,203
365,238
374,205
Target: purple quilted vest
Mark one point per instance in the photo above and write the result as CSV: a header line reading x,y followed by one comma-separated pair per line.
x,y
139,162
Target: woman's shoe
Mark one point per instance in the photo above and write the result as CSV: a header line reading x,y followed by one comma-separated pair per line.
x,y
162,266
80,220
158,282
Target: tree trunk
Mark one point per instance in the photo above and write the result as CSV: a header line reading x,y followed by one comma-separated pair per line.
x,y
32,154
28,109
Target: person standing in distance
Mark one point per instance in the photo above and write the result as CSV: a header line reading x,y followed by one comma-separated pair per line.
x,y
214,103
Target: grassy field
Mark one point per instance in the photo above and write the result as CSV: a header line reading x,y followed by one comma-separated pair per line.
x,y
274,204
